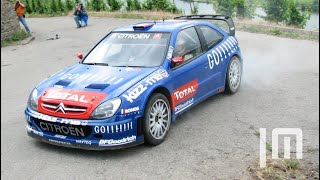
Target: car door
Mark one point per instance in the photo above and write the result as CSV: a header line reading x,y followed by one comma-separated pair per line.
x,y
189,79
214,55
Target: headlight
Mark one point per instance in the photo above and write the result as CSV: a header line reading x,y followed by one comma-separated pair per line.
x,y
33,100
106,109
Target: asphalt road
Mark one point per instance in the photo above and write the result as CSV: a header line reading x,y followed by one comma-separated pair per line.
x,y
216,139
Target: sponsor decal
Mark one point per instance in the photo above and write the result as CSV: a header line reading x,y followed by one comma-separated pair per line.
x,y
65,130
184,92
183,106
131,36
157,36
113,128
44,117
130,110
70,95
92,77
60,136
83,142
29,129
170,52
137,90
74,122
108,142
59,142
68,103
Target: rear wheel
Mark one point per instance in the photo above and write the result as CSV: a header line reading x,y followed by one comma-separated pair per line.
x,y
157,119
233,79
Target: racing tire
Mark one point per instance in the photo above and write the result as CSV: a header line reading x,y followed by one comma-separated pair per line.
x,y
157,119
233,77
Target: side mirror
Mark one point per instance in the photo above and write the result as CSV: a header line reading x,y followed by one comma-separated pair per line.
x,y
177,60
80,55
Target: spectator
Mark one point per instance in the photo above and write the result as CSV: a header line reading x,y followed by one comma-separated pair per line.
x,y
80,15
20,10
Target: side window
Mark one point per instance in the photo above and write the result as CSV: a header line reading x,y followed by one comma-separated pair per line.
x,y
211,36
187,45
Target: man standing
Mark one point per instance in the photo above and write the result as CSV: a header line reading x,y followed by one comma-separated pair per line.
x,y
80,15
19,8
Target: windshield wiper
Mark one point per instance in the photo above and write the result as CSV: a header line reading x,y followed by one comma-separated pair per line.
x,y
99,64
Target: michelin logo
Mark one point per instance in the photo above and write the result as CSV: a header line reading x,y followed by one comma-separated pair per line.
x,y
111,142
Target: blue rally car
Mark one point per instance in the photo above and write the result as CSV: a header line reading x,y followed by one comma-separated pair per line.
x,y
134,83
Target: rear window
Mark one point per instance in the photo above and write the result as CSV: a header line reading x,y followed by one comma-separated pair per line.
x,y
130,49
211,36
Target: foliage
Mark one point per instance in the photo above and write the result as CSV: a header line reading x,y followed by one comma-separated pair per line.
x,y
60,6
195,9
115,5
133,5
163,5
285,11
97,5
28,7
70,5
238,8
17,36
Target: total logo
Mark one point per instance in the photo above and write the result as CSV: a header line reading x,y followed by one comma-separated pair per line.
x,y
130,110
184,92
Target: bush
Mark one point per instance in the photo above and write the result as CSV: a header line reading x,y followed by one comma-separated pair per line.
x,y
133,5
28,7
163,5
60,6
295,17
238,8
53,7
70,5
97,5
285,11
115,5
147,5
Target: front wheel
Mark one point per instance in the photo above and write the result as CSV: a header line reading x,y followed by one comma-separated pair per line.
x,y
233,78
157,119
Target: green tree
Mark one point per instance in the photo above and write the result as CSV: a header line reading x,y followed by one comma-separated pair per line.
x,y
276,10
97,5
147,5
238,8
70,4
295,17
53,6
114,5
40,7
28,7
285,11
60,6
137,5
34,6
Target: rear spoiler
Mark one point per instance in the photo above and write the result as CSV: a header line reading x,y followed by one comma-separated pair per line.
x,y
228,19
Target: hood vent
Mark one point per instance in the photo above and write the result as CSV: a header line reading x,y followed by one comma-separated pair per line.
x,y
62,83
98,86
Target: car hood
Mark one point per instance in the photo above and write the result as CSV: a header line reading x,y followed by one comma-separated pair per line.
x,y
112,81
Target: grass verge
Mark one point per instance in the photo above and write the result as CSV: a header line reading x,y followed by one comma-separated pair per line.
x,y
15,38
280,169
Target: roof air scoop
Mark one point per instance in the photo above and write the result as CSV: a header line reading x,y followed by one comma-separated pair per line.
x,y
143,26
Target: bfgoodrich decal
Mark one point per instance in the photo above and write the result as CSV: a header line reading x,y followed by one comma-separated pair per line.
x,y
108,142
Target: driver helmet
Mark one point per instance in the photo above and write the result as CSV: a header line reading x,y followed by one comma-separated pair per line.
x,y
180,47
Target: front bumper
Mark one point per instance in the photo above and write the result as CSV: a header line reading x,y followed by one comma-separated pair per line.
x,y
84,134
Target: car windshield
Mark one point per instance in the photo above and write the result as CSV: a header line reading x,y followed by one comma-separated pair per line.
x,y
130,49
